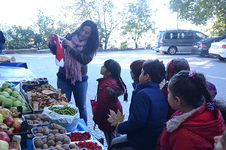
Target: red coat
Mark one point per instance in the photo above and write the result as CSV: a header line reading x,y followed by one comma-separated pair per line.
x,y
195,131
107,98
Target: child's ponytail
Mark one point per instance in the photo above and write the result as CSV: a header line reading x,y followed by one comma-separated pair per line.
x,y
200,81
115,69
123,85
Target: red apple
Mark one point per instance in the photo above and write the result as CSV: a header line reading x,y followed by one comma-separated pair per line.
x,y
8,121
10,130
17,124
4,136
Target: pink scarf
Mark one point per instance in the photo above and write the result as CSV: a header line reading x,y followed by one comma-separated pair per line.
x,y
72,66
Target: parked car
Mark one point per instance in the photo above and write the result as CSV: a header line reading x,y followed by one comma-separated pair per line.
x,y
173,41
158,43
202,47
218,49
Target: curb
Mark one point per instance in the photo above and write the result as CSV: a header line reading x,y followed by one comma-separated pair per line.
x,y
36,51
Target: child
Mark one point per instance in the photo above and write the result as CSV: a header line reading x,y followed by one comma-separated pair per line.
x,y
196,121
110,87
220,142
135,71
147,113
173,67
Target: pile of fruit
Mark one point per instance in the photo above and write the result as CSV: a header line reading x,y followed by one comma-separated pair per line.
x,y
89,145
8,125
10,98
79,136
5,143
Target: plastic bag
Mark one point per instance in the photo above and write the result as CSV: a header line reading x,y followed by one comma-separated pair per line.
x,y
93,103
67,121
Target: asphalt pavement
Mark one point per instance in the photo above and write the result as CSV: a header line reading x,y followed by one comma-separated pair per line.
x,y
43,65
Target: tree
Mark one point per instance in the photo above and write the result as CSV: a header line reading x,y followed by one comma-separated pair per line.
x,y
17,37
138,20
198,12
103,12
45,26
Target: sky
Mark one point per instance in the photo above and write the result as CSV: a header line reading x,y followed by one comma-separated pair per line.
x,y
24,13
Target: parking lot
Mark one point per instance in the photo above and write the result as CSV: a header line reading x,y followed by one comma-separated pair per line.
x,y
43,65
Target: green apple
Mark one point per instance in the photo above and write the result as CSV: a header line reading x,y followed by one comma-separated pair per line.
x,y
15,93
6,85
17,103
2,97
12,98
4,93
8,90
14,89
1,118
25,108
7,103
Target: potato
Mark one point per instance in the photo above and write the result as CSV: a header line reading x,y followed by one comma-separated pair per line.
x,y
51,143
59,138
45,146
65,146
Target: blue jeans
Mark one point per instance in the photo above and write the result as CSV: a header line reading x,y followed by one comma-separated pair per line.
x,y
79,92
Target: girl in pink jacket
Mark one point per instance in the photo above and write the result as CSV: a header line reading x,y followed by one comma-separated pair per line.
x,y
110,87
196,122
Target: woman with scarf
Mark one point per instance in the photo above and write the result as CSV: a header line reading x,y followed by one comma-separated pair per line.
x,y
76,50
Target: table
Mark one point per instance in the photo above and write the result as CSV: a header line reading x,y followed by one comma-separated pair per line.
x,y
15,74
81,127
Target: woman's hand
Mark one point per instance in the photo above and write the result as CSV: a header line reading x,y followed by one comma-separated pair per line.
x,y
51,39
68,43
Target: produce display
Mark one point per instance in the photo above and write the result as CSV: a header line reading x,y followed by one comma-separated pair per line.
x,y
36,119
52,141
42,94
10,98
52,129
92,145
65,110
79,136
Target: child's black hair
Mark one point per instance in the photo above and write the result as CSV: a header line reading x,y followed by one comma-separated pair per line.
x,y
190,89
155,69
115,69
136,67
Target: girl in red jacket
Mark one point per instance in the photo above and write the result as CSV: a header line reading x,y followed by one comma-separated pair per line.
x,y
110,87
196,122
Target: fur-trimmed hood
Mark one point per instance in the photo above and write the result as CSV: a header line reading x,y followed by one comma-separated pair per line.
x,y
200,121
113,88
192,130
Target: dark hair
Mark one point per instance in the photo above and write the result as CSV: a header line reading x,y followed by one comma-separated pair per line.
x,y
136,67
155,69
93,41
115,69
175,66
190,89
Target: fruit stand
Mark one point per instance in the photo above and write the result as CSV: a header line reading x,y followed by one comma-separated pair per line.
x,y
41,129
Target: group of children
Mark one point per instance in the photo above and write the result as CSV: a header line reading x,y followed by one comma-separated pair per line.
x,y
181,114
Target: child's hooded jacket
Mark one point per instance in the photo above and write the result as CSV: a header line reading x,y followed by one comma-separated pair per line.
x,y
193,130
147,113
107,98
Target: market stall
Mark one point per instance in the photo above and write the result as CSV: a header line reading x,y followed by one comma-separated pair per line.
x,y
14,75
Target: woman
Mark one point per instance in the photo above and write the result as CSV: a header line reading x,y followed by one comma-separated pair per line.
x,y
2,41
80,48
